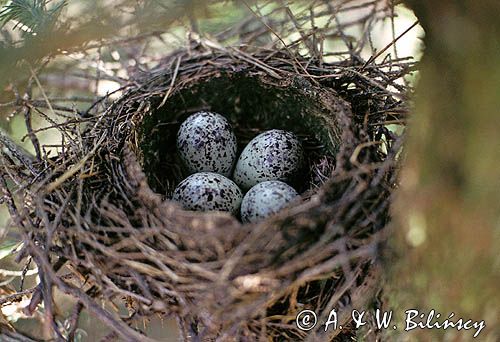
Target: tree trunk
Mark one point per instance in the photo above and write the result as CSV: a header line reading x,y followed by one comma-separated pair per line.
x,y
448,209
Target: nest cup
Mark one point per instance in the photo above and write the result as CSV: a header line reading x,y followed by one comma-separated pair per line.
x,y
253,103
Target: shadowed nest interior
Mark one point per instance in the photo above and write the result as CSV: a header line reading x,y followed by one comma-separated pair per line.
x,y
103,210
253,101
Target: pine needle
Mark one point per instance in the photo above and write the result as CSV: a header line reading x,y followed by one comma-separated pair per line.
x,y
31,16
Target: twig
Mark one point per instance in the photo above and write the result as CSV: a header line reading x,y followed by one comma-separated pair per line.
x,y
17,151
73,169
374,57
73,321
16,297
174,77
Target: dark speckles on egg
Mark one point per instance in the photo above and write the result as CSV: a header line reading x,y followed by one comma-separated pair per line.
x,y
206,191
272,155
206,142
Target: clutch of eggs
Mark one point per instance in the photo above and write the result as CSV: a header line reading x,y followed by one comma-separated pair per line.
x,y
207,146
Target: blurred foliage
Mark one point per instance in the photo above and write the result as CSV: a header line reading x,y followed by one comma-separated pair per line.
x,y
32,30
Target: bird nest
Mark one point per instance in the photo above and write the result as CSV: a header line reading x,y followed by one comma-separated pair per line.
x,y
100,225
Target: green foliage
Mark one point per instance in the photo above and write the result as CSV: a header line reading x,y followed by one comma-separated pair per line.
x,y
32,16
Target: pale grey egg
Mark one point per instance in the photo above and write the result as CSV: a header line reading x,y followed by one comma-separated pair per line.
x,y
206,142
272,155
265,199
205,191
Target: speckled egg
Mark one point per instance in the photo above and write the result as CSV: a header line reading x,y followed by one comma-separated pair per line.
x,y
205,191
265,199
272,155
206,142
